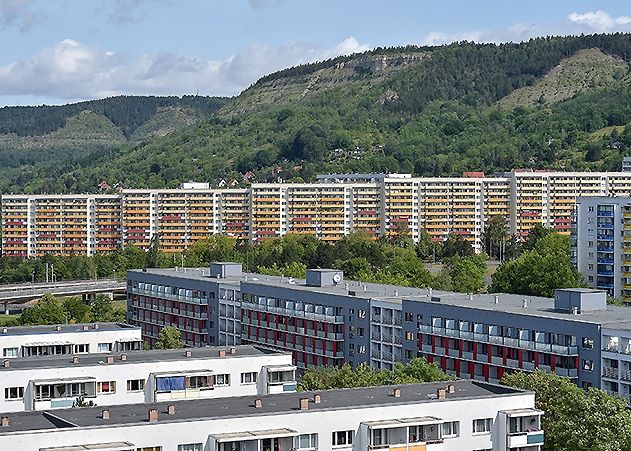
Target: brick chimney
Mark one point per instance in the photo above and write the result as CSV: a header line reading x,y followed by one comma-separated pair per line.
x,y
304,404
109,359
85,327
4,422
188,353
123,357
441,393
6,363
105,414
317,399
75,359
171,409
233,350
222,353
396,392
152,415
451,388
258,403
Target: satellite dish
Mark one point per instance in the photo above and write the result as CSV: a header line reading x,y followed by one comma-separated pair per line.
x,y
337,278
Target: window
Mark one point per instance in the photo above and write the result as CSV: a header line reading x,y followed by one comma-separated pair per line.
x,y
135,384
342,438
409,336
590,244
361,349
198,382
307,441
248,378
361,331
14,393
190,447
10,352
588,343
150,448
379,437
222,379
409,317
81,349
106,387
105,347
482,425
590,209
590,266
361,314
588,365
451,429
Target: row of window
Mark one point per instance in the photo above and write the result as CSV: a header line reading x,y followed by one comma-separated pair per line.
x,y
82,348
133,385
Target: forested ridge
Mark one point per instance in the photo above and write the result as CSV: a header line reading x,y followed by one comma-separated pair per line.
x,y
434,111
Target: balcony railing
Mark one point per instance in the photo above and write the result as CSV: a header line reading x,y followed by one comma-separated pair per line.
x,y
498,340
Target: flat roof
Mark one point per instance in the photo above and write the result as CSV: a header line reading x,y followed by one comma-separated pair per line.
x,y
134,357
614,317
243,406
65,328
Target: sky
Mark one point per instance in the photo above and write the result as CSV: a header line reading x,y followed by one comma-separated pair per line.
x,y
62,51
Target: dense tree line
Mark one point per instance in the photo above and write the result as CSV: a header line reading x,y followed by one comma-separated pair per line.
x,y
126,112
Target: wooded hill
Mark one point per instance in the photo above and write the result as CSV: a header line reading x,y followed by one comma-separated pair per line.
x,y
560,103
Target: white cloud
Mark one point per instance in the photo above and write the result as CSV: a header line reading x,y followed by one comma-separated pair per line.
x,y
599,21
16,12
71,71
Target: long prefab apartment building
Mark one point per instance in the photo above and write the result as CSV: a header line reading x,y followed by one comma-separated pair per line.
x,y
459,415
329,209
325,320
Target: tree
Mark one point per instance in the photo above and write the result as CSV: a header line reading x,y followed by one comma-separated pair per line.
x,y
169,338
345,376
534,235
47,311
426,248
215,248
575,419
466,273
456,245
495,236
77,311
540,271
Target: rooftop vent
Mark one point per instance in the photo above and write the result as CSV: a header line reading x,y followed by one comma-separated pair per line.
x,y
222,353
171,409
233,350
57,328
496,299
524,303
470,296
85,327
105,414
317,399
75,359
123,357
451,388
109,359
6,363
188,353
396,392
152,415
96,326
5,330
258,403
4,422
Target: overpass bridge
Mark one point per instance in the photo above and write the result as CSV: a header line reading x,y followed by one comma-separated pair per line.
x,y
25,292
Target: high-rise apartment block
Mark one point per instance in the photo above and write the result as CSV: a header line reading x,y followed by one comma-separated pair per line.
x,y
325,320
330,208
601,243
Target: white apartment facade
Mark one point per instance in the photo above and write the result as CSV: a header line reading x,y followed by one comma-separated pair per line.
x,y
94,338
460,415
143,377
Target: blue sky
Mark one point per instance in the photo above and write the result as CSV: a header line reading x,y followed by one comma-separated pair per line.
x,y
59,51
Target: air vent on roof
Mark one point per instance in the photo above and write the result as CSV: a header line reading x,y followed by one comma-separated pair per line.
x,y
435,299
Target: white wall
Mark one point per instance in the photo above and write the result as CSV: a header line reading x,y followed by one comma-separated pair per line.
x,y
120,372
91,336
